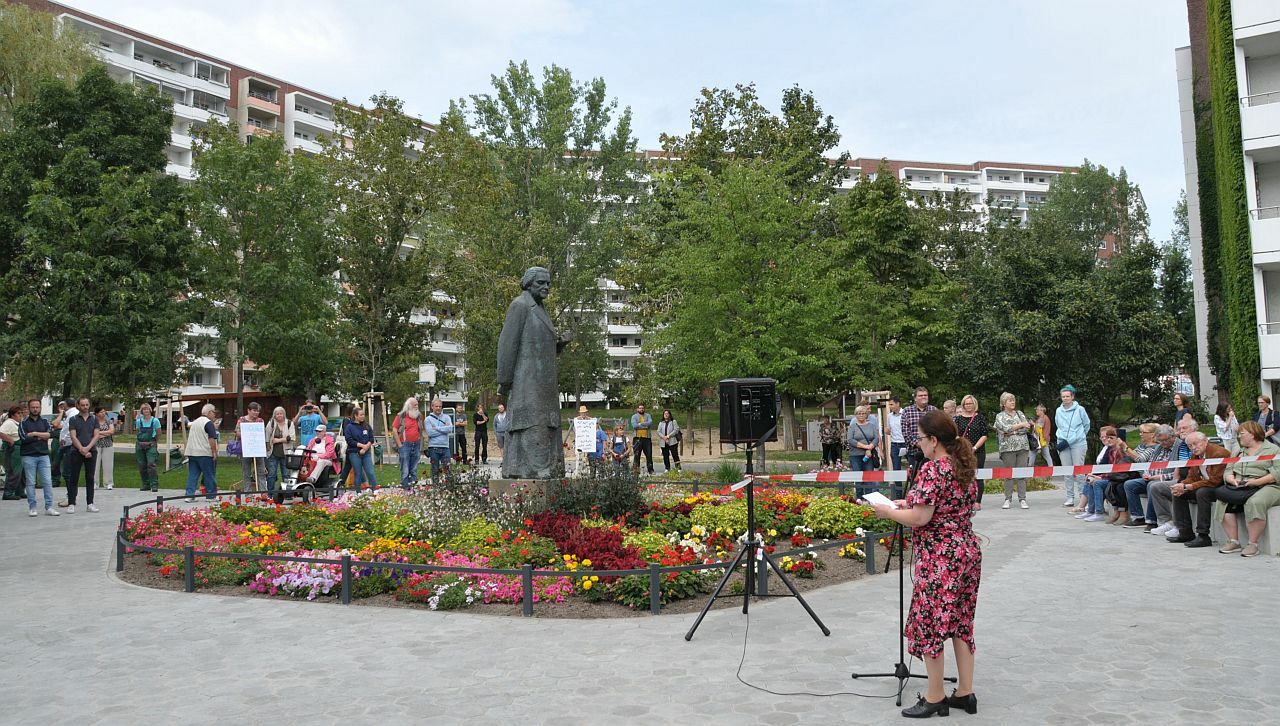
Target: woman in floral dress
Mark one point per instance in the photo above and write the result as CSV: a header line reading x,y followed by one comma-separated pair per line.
x,y
948,563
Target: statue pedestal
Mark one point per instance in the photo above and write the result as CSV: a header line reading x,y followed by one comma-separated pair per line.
x,y
532,489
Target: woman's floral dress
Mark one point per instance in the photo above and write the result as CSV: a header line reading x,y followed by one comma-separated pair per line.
x,y
948,562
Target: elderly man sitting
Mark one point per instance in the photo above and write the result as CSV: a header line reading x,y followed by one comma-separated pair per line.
x,y
1197,486
1165,449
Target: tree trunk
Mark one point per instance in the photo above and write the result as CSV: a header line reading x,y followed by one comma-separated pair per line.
x,y
788,422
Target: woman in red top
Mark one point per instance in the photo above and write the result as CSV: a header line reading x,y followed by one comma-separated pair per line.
x,y
948,565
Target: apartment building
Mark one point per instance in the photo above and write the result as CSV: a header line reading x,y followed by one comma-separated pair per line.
x,y
1256,40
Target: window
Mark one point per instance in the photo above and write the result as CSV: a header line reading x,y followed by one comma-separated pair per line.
x,y
908,177
926,178
1005,177
638,342
137,56
1102,245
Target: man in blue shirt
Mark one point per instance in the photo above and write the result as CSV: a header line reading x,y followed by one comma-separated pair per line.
x,y
594,459
307,419
439,430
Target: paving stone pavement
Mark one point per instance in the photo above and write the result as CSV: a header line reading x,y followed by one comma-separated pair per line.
x,y
1077,623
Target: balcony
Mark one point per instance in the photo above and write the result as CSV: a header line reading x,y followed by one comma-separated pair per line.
x,y
1264,229
1253,18
1269,349
182,171
179,139
311,146
262,101
1260,121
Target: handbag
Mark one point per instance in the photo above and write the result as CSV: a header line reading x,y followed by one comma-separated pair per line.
x,y
234,448
1061,444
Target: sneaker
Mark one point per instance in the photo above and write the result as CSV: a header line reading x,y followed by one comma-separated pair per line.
x,y
1023,503
1006,504
1232,546
32,512
1139,522
1173,534
1096,518
1082,515
190,500
93,508
1250,550
51,512
1068,502
1163,529
71,509
111,486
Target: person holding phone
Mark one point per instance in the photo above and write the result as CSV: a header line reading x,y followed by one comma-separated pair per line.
x,y
306,420
1249,488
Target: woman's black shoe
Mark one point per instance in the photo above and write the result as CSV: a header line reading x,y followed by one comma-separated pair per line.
x,y
924,709
969,703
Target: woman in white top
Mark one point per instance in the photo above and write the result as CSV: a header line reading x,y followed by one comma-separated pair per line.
x,y
1227,425
105,451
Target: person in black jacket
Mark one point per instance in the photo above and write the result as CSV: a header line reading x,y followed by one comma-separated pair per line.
x,y
1267,418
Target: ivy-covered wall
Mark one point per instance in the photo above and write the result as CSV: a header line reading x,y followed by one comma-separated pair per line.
x,y
1234,251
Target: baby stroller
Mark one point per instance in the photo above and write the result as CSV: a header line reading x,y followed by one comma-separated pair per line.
x,y
299,462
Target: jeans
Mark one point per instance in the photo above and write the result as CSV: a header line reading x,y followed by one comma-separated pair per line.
x,y
38,466
896,449
202,467
1095,490
1047,453
1073,456
481,449
857,463
72,464
439,456
1132,489
362,465
275,468
410,453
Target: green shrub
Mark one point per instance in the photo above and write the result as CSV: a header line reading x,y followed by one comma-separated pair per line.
x,y
607,493
831,517
727,472
648,542
730,517
633,591
530,548
475,534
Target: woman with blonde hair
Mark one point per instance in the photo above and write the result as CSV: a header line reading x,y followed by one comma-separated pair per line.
x,y
1012,429
973,428
864,441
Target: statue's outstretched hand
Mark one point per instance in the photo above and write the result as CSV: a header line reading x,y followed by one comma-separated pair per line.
x,y
504,389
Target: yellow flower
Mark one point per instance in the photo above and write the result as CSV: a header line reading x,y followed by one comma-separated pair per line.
x,y
586,585
595,578
586,563
773,533
568,557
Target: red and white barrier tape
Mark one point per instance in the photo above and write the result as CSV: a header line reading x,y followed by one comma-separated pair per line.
x,y
1005,472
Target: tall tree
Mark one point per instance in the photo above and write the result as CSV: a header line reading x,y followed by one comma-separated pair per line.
x,y
1176,294
385,178
34,46
567,173
95,234
267,259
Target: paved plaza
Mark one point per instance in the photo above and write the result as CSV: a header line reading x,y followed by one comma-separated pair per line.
x,y
1077,623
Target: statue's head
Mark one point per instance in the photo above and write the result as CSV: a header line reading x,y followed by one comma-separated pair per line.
x,y
537,280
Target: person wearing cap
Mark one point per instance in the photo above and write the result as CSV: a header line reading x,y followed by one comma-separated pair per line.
x,y
324,453
1071,422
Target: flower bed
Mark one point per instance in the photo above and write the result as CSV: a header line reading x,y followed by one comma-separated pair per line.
x,y
458,524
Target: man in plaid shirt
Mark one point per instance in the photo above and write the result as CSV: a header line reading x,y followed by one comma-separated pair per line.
x,y
911,416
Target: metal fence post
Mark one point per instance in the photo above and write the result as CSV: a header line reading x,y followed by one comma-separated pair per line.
x,y
189,569
655,588
695,486
526,579
869,549
346,579
120,548
159,504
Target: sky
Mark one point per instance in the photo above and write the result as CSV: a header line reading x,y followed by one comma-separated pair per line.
x,y
1037,82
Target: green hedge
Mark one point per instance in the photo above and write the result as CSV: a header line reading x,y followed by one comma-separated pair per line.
x,y
1234,247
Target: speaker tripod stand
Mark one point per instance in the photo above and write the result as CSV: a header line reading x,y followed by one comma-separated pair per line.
x,y
754,557
900,669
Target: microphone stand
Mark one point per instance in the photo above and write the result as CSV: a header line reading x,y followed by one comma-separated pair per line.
x,y
900,669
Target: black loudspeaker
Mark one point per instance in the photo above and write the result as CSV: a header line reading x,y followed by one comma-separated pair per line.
x,y
748,410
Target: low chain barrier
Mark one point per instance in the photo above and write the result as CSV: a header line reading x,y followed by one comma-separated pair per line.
x,y
348,565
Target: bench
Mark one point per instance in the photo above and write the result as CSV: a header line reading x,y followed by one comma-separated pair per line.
x,y
1267,545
